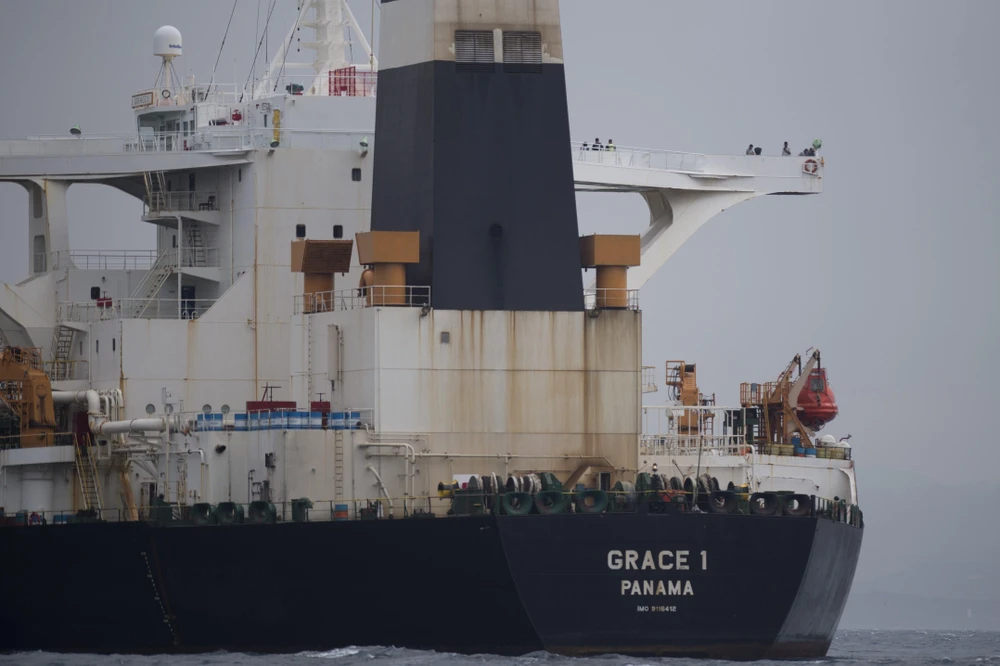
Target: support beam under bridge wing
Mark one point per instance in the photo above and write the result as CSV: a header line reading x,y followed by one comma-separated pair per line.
x,y
685,190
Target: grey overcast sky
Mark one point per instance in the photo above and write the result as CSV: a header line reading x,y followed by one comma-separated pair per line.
x,y
892,272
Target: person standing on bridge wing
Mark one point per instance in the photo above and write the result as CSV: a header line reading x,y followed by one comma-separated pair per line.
x,y
785,152
750,150
611,145
597,145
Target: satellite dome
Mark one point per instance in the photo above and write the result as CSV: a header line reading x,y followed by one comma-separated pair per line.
x,y
167,42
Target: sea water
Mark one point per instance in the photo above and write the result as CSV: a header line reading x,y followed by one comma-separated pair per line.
x,y
911,648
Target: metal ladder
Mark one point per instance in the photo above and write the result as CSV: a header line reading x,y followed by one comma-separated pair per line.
x,y
86,471
62,347
338,465
195,247
155,190
153,281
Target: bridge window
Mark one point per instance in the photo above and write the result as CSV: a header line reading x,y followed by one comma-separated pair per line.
x,y
474,51
356,175
338,231
522,52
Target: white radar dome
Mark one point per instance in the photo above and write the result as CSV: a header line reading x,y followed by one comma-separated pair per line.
x,y
828,440
167,42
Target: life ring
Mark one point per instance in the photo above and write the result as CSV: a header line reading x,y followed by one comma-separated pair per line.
x,y
34,518
810,166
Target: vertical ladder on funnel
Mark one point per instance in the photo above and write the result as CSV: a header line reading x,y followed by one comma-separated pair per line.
x,y
338,464
86,471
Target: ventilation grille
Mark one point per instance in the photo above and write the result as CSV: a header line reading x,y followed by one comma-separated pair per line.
x,y
522,52
474,51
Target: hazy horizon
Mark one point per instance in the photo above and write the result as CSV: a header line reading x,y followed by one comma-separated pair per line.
x,y
892,272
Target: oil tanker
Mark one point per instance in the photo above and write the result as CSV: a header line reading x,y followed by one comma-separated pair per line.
x,y
364,391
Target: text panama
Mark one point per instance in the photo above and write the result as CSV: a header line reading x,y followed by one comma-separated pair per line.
x,y
648,560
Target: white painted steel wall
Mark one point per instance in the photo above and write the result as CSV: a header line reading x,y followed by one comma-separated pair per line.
x,y
548,389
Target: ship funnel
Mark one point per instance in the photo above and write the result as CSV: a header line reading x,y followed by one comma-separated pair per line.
x,y
473,128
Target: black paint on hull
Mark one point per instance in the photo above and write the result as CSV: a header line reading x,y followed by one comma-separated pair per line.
x,y
509,585
477,162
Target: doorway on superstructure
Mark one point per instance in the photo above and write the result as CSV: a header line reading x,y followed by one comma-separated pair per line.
x,y
189,302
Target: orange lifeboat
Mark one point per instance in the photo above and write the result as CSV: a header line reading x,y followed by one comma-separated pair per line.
x,y
816,404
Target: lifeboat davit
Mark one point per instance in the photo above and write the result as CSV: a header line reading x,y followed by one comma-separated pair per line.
x,y
816,404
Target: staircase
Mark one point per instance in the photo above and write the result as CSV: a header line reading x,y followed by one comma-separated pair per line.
x,y
86,471
195,247
151,284
155,190
62,347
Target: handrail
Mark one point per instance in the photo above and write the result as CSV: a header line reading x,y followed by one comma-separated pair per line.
x,y
611,299
45,439
199,200
363,297
67,370
134,308
108,259
203,140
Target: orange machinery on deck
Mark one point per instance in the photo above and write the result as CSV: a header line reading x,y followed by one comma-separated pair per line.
x,y
799,402
682,380
25,391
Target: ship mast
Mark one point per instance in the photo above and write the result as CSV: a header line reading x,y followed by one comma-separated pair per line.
x,y
333,46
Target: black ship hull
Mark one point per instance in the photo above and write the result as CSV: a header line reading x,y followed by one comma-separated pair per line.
x,y
721,586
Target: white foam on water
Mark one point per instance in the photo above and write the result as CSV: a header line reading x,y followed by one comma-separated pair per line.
x,y
331,654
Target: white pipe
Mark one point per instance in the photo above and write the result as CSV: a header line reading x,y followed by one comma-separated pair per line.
x,y
100,424
409,462
381,486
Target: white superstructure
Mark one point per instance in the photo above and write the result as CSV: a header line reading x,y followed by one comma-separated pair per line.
x,y
209,320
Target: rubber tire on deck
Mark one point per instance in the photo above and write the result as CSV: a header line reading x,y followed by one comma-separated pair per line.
x,y
803,509
771,507
517,504
549,502
722,501
599,497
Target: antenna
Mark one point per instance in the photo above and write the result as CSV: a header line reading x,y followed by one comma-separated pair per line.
x,y
167,45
